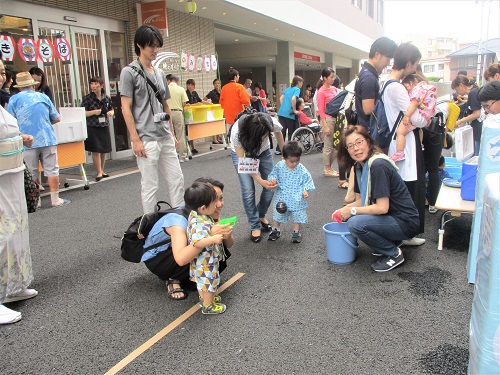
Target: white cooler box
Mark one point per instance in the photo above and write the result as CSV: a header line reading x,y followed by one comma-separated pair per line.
x,y
73,125
11,153
464,143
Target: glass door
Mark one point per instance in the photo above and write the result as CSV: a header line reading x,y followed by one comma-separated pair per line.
x,y
116,60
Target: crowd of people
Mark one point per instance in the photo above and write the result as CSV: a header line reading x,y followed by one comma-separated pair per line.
x,y
384,205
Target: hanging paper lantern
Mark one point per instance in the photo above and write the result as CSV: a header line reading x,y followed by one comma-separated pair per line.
x,y
213,59
191,62
63,49
199,63
45,50
7,47
184,60
207,63
191,7
27,50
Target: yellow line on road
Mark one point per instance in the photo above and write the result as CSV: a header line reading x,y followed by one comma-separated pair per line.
x,y
165,331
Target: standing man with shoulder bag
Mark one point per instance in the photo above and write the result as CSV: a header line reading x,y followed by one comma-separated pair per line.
x,y
367,89
144,94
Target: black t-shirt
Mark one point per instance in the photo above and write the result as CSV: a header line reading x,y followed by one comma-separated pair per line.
x,y
367,87
386,182
473,104
214,96
193,97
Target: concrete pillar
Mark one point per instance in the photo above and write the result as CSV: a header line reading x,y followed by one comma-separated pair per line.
x,y
355,69
285,68
329,61
269,82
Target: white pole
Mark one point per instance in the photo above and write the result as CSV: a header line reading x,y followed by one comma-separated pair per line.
x,y
479,47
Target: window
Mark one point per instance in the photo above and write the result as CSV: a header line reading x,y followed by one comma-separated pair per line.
x,y
470,61
429,54
429,42
461,62
18,28
356,3
380,11
440,66
429,68
371,8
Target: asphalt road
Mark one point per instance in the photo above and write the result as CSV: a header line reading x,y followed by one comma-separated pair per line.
x,y
292,312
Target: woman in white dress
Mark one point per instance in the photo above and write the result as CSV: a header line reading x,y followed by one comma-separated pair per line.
x,y
15,258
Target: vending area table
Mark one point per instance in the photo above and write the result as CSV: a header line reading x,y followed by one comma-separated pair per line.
x,y
454,206
70,133
204,129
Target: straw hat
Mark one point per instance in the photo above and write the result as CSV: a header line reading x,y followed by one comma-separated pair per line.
x,y
24,79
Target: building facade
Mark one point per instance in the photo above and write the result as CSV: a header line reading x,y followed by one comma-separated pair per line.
x,y
268,41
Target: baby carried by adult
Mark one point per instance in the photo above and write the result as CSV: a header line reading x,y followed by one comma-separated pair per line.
x,y
423,98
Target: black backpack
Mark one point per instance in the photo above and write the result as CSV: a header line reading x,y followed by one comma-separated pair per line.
x,y
335,105
132,248
379,128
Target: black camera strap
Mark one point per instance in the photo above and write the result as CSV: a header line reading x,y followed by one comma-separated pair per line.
x,y
150,83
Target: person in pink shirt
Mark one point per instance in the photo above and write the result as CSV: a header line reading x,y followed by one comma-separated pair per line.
x,y
325,94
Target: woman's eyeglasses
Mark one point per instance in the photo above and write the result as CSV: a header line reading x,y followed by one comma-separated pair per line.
x,y
487,106
357,143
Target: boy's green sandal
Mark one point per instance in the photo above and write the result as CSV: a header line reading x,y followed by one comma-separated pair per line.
x,y
213,309
216,299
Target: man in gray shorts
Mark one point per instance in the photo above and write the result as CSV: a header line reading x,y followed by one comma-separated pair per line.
x,y
148,120
35,115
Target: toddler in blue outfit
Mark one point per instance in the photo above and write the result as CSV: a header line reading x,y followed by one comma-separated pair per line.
x,y
294,184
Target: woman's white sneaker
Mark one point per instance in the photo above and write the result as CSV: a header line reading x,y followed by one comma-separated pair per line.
x,y
8,316
25,294
415,241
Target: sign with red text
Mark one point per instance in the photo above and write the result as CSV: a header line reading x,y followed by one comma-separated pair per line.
x,y
306,56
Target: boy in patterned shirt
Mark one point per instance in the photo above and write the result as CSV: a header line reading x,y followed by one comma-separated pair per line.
x,y
294,184
204,269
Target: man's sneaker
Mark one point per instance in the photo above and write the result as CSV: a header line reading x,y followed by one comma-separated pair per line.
x,y
432,209
387,263
398,156
217,300
181,160
274,235
213,309
277,152
415,241
296,237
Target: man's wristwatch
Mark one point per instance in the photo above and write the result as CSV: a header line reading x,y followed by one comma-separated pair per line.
x,y
353,211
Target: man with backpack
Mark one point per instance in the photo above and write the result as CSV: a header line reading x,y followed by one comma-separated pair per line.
x,y
367,89
144,94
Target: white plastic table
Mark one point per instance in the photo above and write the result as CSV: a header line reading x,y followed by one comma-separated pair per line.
x,y
454,206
